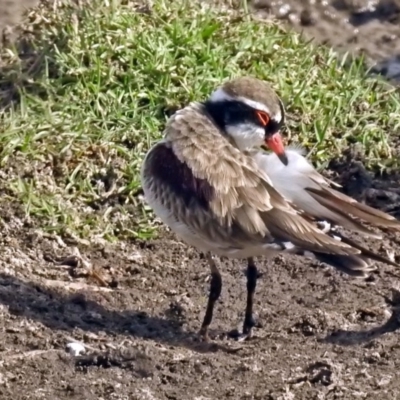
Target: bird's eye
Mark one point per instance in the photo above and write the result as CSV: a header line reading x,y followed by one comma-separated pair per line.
x,y
263,117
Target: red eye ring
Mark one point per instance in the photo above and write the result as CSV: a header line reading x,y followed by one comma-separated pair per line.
x,y
263,117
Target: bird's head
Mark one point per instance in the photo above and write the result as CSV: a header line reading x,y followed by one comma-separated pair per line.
x,y
251,113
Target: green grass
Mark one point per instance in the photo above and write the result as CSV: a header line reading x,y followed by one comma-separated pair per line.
x,y
104,77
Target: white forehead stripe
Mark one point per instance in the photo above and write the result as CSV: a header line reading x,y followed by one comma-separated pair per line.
x,y
221,95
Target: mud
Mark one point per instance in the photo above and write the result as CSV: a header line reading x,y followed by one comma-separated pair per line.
x,y
321,335
12,13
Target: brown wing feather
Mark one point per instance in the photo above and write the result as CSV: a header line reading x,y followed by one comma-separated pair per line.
x,y
341,213
238,185
243,194
299,231
340,202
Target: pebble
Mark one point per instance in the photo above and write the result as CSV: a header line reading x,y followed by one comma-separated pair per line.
x,y
75,348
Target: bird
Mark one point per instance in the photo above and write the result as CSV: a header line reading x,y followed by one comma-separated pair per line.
x,y
212,183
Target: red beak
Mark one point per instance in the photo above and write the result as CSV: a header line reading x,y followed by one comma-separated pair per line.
x,y
275,143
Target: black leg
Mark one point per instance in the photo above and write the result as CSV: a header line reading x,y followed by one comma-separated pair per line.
x,y
252,275
249,323
215,292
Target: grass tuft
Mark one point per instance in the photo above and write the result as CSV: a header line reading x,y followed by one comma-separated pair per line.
x,y
91,89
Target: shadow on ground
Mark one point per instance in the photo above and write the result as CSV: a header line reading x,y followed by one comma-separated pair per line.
x,y
68,312
352,338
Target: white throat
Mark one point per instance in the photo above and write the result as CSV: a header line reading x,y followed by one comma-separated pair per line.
x,y
246,136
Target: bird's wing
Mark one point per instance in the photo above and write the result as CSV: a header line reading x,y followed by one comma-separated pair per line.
x,y
300,183
203,171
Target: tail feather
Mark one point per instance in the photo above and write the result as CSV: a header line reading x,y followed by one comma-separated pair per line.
x,y
365,252
345,206
359,265
351,265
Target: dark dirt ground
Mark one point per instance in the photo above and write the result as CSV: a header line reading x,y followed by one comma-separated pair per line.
x,y
322,335
369,27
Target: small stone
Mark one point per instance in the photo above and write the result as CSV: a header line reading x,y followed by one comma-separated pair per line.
x,y
75,348
284,11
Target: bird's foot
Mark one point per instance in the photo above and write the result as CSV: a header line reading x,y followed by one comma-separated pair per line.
x,y
247,333
203,335
240,337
